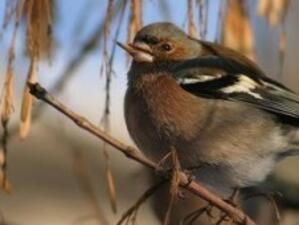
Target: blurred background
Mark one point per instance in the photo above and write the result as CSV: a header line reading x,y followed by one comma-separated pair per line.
x,y
52,172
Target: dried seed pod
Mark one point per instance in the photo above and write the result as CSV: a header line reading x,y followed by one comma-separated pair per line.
x,y
273,10
237,33
135,22
192,30
39,15
27,101
8,106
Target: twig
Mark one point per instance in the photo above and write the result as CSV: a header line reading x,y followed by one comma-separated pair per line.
x,y
5,184
84,179
132,211
221,13
106,69
194,215
81,172
194,187
203,18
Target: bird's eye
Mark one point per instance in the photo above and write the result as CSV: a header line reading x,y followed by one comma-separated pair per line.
x,y
166,47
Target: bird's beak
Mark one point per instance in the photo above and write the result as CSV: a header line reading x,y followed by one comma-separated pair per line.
x,y
140,51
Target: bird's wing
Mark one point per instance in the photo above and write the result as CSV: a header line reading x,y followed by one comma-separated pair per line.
x,y
200,78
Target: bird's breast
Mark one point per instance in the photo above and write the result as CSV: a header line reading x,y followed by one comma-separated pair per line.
x,y
159,112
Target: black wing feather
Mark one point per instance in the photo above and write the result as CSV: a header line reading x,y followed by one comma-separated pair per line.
x,y
272,103
266,94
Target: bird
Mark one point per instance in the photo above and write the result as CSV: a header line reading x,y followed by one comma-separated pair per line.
x,y
224,117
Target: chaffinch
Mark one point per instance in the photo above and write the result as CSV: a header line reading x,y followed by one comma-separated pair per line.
x,y
213,105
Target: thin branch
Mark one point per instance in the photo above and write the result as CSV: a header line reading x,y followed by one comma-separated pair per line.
x,y
106,69
203,18
221,13
132,211
194,187
81,172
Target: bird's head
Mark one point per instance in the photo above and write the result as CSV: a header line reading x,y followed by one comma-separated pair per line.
x,y
160,42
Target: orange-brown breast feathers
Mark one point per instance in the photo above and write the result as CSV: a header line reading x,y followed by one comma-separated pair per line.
x,y
164,104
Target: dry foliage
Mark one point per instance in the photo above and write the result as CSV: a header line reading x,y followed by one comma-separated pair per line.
x,y
6,112
80,168
106,69
273,10
135,21
237,32
38,14
203,18
130,216
26,109
6,100
192,30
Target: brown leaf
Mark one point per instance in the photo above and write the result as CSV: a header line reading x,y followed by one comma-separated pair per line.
x,y
237,32
273,10
135,22
263,7
111,189
39,15
192,30
5,184
8,107
28,100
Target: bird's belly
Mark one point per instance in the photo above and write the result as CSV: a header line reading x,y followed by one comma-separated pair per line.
x,y
221,176
223,179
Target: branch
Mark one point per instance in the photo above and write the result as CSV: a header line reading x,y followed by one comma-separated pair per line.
x,y
194,187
